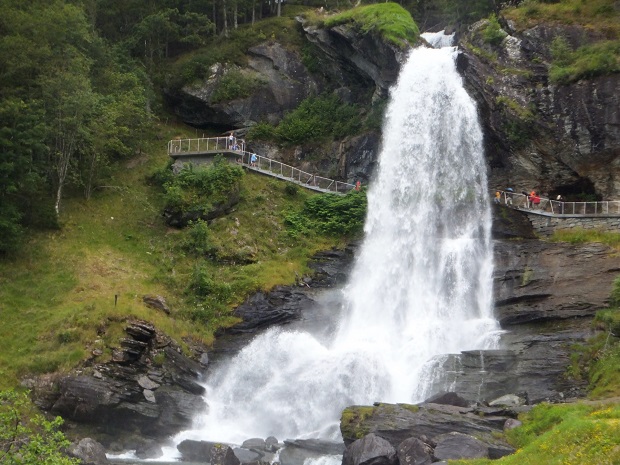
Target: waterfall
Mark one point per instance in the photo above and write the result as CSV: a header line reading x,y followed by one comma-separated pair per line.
x,y
420,288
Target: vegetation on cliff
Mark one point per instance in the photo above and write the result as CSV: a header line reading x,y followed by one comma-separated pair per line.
x,y
575,55
388,20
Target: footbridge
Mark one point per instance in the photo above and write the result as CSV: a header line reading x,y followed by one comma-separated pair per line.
x,y
201,149
547,215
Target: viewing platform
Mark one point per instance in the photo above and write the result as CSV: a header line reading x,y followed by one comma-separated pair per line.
x,y
200,150
548,215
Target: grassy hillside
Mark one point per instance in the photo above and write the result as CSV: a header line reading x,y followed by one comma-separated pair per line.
x,y
69,291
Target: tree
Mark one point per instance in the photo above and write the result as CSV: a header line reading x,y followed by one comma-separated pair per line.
x,y
26,437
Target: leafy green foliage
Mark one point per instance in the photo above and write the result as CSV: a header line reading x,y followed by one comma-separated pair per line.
x,y
236,84
492,32
199,188
586,62
387,20
26,438
198,239
330,214
314,120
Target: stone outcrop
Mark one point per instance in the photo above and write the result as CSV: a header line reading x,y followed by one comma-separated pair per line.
x,y
538,281
283,82
89,451
131,394
555,138
423,431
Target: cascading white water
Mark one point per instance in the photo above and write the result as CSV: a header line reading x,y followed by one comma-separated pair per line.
x,y
421,286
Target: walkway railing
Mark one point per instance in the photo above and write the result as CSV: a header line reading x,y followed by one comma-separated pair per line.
x,y
261,164
204,145
556,207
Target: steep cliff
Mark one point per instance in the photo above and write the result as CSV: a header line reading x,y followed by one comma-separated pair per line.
x,y
543,132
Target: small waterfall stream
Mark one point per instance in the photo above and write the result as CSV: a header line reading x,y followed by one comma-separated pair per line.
x,y
420,288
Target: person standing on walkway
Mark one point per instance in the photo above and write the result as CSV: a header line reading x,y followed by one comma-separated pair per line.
x,y
253,160
231,140
498,196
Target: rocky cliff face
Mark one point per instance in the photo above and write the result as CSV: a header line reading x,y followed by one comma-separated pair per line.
x,y
541,135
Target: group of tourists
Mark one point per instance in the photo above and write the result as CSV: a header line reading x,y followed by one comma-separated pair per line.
x,y
233,144
531,199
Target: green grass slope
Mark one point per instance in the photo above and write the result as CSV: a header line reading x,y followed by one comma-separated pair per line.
x,y
65,298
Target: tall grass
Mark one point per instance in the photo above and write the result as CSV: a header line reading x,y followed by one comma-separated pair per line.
x,y
583,236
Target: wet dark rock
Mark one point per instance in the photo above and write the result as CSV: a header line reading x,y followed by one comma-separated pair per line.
x,y
448,398
195,451
222,454
246,456
455,446
413,451
398,422
317,445
281,305
149,450
89,451
370,450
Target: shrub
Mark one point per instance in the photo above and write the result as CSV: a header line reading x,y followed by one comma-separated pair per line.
x,y
586,62
197,239
330,214
198,188
27,437
318,118
235,85
493,33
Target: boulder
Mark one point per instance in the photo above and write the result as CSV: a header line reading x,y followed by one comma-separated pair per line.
x,y
156,302
281,305
222,454
455,446
149,450
195,451
370,450
413,451
448,398
509,400
89,451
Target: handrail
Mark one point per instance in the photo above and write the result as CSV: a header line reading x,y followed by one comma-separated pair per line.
x,y
559,207
262,164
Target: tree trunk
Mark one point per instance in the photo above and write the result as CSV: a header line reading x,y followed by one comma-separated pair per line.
x,y
279,7
235,24
225,19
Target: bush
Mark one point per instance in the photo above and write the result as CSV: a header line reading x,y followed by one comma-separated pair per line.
x,y
235,85
330,214
27,437
586,62
318,118
199,188
197,239
493,33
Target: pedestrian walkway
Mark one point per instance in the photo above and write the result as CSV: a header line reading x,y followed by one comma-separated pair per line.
x,y
548,207
207,146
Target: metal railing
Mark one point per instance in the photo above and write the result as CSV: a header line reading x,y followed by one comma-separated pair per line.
x,y
204,144
557,207
262,164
